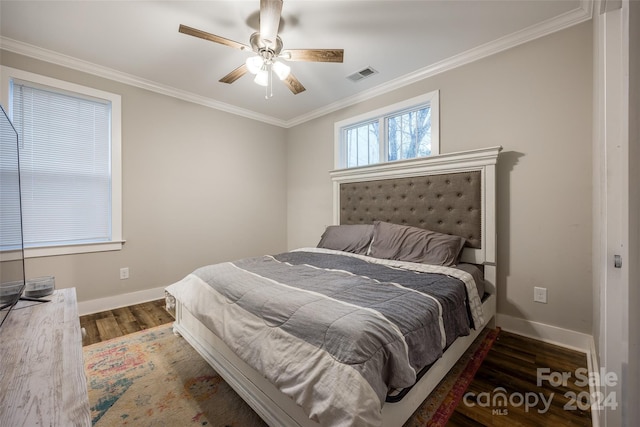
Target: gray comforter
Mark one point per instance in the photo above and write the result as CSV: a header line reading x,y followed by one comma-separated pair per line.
x,y
334,331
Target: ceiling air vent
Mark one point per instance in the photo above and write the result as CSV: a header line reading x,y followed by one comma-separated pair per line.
x,y
359,75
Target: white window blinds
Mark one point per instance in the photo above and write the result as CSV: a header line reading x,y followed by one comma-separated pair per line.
x,y
65,161
10,225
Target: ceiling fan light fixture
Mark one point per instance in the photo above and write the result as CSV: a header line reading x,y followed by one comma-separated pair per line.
x,y
254,64
281,70
267,46
262,77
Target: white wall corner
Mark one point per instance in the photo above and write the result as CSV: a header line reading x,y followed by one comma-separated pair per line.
x,y
118,301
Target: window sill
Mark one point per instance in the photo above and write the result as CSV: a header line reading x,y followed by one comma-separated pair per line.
x,y
73,249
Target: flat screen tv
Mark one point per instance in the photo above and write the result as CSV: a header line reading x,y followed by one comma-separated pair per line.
x,y
12,272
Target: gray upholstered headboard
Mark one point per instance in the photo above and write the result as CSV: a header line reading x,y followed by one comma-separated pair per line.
x,y
448,203
450,193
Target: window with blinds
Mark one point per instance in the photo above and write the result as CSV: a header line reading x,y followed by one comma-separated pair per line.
x,y
69,195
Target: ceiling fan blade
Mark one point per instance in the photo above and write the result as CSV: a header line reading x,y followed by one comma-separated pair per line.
x,y
293,84
212,37
313,55
235,74
270,11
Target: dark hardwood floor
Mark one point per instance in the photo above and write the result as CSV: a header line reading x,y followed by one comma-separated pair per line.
x,y
510,371
544,385
122,321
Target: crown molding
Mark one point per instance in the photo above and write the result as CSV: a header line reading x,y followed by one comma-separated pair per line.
x,y
566,20
56,58
552,25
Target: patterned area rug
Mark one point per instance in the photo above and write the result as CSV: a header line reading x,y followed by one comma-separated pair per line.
x,y
154,378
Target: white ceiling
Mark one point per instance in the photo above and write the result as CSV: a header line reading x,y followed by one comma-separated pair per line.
x,y
137,42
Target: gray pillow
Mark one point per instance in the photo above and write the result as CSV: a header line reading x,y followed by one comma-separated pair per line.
x,y
348,238
413,244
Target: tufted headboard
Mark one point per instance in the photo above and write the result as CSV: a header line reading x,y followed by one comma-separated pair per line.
x,y
447,203
450,193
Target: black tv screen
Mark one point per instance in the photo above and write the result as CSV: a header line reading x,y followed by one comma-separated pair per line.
x,y
12,277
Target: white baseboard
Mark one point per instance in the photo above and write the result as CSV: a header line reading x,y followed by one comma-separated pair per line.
x,y
547,333
117,301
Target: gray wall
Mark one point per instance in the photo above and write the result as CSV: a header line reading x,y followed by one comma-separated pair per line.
x,y
192,178
535,101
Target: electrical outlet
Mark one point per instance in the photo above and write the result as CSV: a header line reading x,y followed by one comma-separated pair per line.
x,y
124,273
540,294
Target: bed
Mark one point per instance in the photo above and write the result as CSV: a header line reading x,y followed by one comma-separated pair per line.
x,y
359,329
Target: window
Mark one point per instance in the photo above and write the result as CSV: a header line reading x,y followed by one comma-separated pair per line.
x,y
69,147
405,130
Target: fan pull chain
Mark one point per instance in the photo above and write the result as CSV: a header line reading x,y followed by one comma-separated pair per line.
x,y
268,90
271,80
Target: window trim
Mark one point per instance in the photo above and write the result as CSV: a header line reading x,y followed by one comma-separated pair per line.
x,y
7,74
381,114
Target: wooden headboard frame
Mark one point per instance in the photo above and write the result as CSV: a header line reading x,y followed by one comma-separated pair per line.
x,y
414,186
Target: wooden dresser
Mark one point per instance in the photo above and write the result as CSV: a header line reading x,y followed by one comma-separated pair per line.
x,y
42,378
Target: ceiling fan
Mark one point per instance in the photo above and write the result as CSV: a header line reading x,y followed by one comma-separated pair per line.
x,y
267,46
